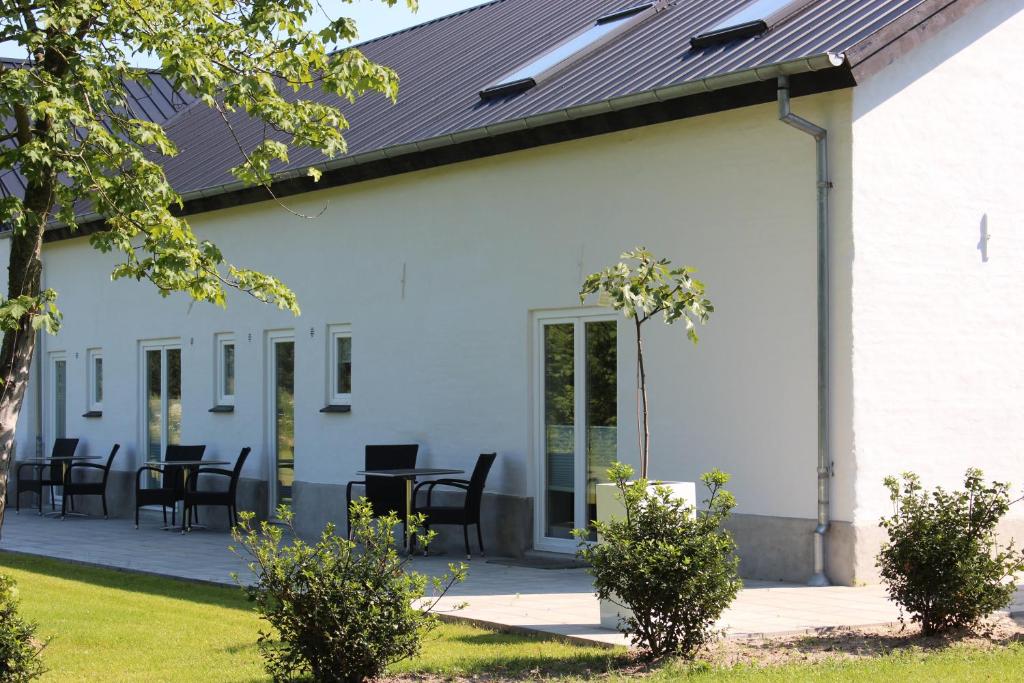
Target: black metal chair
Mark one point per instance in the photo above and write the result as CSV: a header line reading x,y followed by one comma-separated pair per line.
x,y
466,514
194,496
46,475
86,487
172,481
385,495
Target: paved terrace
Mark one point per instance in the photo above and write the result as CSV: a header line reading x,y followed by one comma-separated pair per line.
x,y
553,601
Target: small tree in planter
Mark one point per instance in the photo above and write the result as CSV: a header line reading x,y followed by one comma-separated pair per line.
x,y
674,571
642,290
662,573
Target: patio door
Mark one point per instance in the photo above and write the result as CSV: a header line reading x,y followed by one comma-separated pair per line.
x,y
282,414
161,399
577,380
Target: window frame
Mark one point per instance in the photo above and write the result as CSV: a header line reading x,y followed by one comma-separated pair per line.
x,y
221,341
91,356
335,332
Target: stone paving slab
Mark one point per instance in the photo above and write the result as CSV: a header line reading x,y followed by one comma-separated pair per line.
x,y
558,602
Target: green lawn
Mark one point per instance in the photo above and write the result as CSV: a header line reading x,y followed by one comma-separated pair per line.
x,y
114,626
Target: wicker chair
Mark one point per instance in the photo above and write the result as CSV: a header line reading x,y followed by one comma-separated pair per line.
x,y
172,481
466,514
86,487
194,496
46,475
385,495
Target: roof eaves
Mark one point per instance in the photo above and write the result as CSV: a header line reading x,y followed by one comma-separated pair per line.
x,y
804,65
761,73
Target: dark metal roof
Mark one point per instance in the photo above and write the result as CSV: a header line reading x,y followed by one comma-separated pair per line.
x,y
647,75
152,97
443,65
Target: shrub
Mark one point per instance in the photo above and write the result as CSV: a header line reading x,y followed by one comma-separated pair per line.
x,y
942,562
19,648
676,570
341,609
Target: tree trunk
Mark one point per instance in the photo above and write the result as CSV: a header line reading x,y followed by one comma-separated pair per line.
x,y
644,427
19,344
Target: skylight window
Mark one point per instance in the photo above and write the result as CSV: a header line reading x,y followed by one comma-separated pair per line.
x,y
572,50
753,20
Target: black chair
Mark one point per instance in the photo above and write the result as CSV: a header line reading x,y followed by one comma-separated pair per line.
x,y
172,481
385,495
87,487
194,496
46,475
469,511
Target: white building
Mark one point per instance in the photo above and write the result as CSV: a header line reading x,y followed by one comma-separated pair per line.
x,y
456,234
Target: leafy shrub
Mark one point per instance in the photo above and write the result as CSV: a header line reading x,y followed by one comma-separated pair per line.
x,y
942,562
19,648
676,570
341,609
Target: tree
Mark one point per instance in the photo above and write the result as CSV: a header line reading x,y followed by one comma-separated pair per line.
x,y
642,291
68,131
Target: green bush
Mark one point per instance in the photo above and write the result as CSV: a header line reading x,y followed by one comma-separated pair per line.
x,y
19,648
942,562
677,571
341,609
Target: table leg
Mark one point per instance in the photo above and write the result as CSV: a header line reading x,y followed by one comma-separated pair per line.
x,y
185,526
408,515
63,480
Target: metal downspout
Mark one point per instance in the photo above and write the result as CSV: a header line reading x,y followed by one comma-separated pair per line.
x,y
820,136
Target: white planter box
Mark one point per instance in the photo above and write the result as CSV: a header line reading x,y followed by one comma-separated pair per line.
x,y
610,507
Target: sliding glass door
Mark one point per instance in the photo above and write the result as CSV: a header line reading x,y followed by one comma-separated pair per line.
x,y
161,403
577,417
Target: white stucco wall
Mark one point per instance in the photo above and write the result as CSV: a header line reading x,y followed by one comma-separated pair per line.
x,y
484,244
938,155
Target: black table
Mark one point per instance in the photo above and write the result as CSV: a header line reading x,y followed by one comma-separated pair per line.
x,y
65,462
188,466
409,475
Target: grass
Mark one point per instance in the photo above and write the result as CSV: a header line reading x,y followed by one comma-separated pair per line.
x,y
114,626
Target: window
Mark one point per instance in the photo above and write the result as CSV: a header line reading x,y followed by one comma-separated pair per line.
x,y
572,50
752,20
340,365
225,375
94,379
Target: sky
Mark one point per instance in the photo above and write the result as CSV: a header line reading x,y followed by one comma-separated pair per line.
x,y
374,18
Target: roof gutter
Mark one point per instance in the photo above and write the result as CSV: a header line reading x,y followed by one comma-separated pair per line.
x,y
770,72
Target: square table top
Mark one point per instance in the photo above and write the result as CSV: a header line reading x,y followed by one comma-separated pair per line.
x,y
59,458
409,473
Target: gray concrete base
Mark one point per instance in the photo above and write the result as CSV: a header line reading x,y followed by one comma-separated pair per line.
x,y
507,521
782,549
774,548
852,549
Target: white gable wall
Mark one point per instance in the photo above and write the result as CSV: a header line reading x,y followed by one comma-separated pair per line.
x,y
938,154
